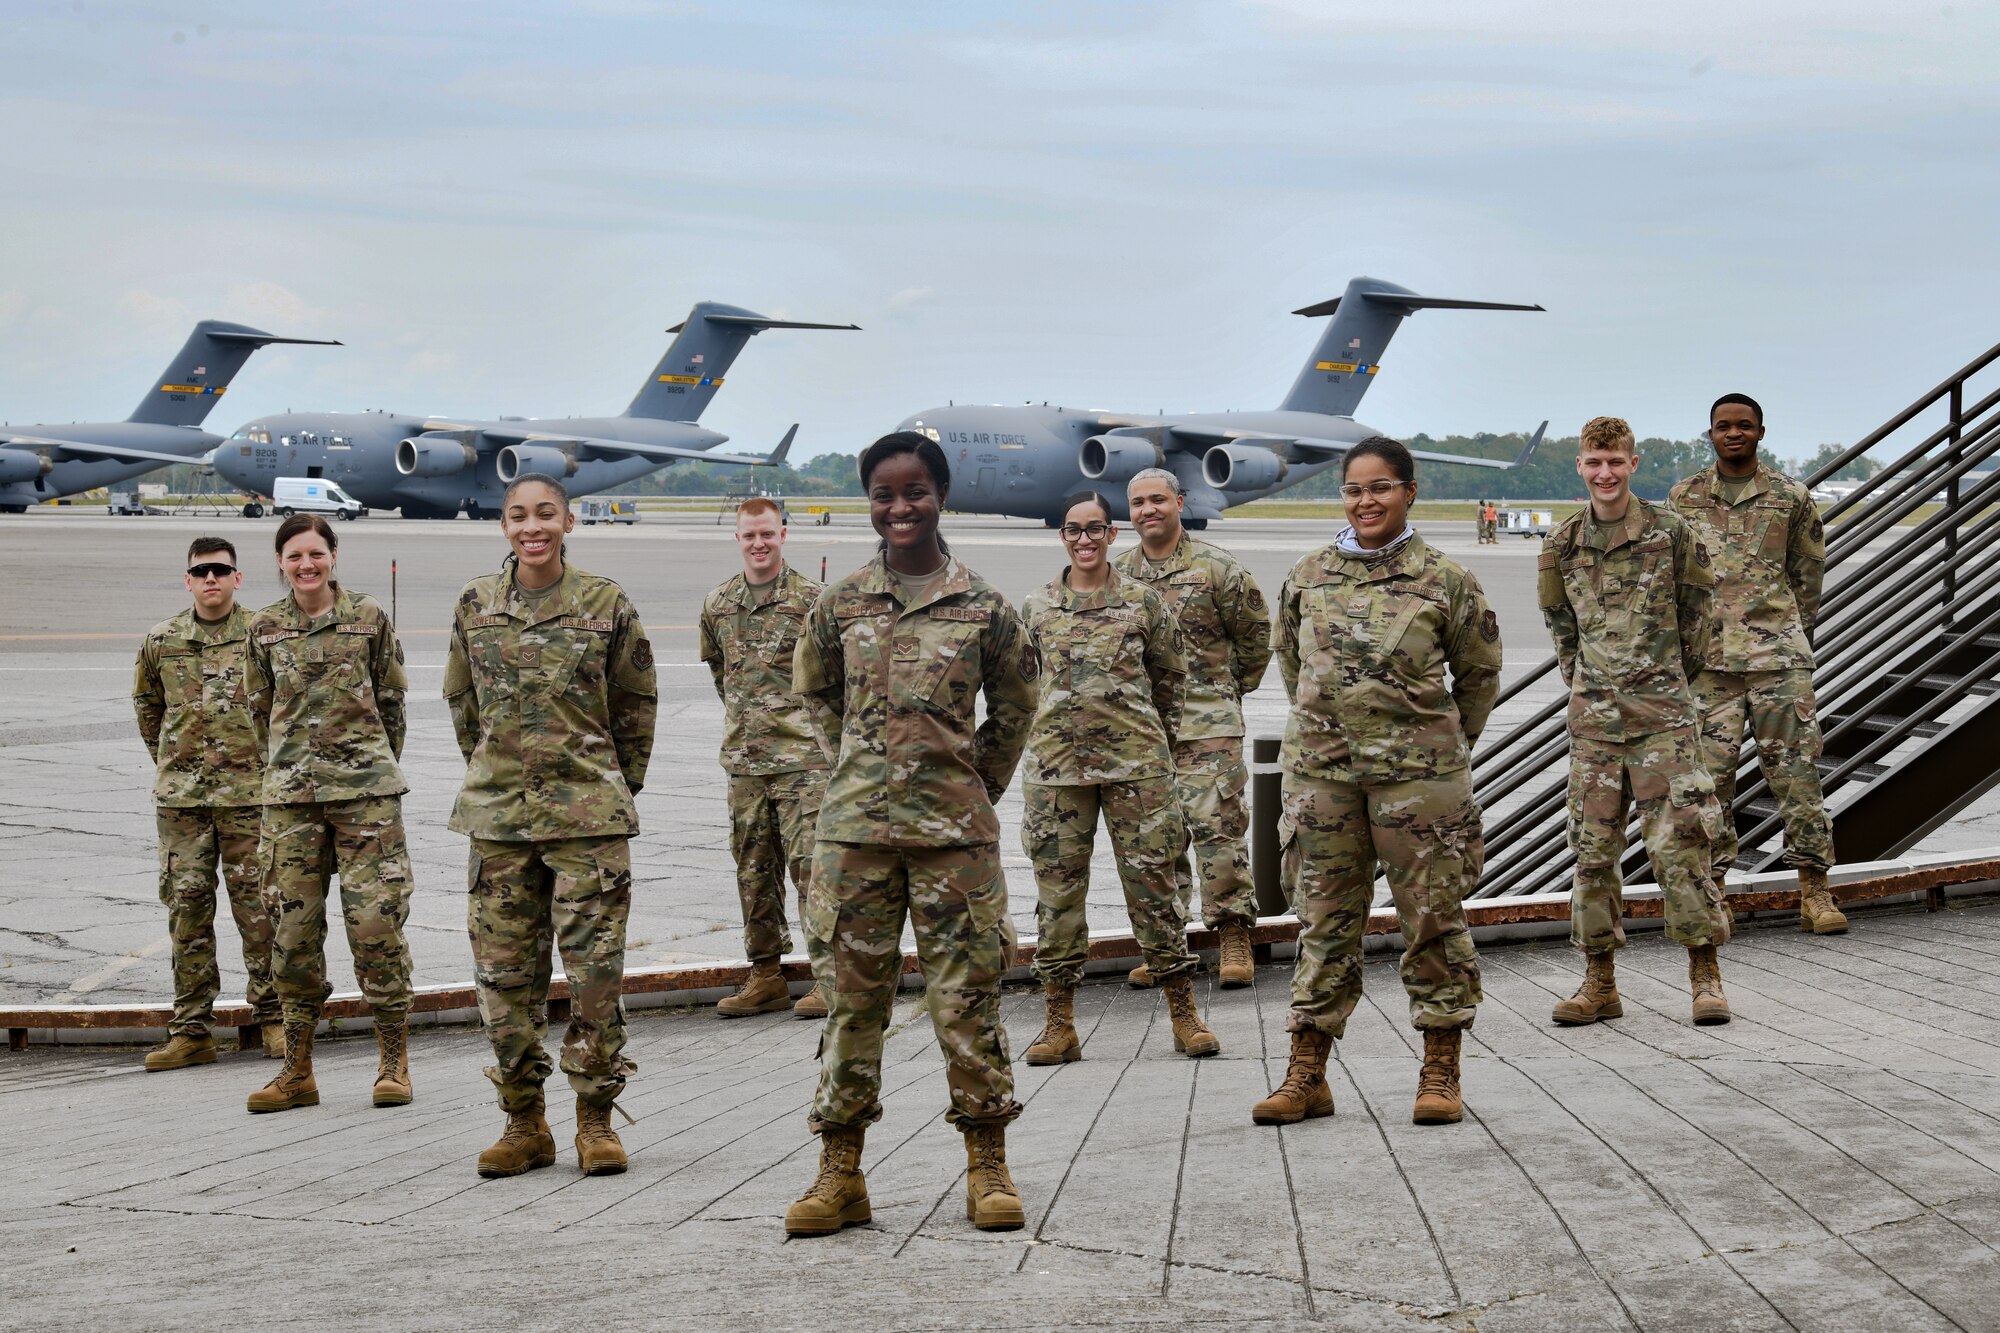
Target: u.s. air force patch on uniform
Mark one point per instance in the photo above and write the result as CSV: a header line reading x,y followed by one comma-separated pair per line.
x,y
1256,599
1489,626
642,654
1031,662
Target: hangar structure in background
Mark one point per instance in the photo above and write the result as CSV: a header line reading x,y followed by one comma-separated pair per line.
x,y
432,467
40,463
1023,460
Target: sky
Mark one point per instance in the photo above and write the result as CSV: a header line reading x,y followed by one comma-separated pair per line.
x,y
499,207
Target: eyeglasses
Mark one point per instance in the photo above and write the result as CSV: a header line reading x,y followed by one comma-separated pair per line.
x,y
1095,531
1374,490
210,571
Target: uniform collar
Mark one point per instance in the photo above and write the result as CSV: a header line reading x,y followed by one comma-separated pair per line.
x,y
293,616
1411,555
505,597
1637,522
1709,482
878,579
742,593
234,626
1111,594
1173,561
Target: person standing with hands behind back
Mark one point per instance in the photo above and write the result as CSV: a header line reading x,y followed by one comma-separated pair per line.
x,y
1377,775
550,683
326,686
893,660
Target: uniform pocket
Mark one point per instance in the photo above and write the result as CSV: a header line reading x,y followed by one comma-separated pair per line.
x,y
1694,804
821,911
957,673
986,904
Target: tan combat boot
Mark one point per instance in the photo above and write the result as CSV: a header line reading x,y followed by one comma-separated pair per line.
x,y
764,992
273,1035
524,1145
1705,980
1140,978
991,1201
294,1085
1438,1101
180,1050
1816,910
598,1149
811,1005
1058,1043
1597,997
1237,965
392,1075
838,1196
1304,1094
1190,1033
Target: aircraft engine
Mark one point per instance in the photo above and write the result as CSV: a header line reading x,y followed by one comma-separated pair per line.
x,y
518,459
22,465
1242,467
1118,458
434,455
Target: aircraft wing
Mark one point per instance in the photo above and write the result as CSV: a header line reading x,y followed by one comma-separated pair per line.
x,y
526,433
83,449
1314,449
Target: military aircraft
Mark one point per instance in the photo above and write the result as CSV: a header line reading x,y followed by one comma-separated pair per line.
x,y
40,463
1023,460
432,467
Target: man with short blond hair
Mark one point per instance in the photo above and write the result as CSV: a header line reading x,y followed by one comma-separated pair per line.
x,y
1624,586
777,769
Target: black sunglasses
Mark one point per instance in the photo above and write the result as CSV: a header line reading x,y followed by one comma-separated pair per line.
x,y
217,571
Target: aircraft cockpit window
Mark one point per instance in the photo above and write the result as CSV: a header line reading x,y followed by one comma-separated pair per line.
x,y
928,433
254,434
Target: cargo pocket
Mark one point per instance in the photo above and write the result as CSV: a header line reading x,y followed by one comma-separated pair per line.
x,y
1288,860
1693,797
821,911
166,877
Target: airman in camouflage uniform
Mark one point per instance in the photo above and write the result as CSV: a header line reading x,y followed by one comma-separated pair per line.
x,y
1113,679
1376,762
1226,628
188,689
1764,534
777,775
326,693
1627,603
553,699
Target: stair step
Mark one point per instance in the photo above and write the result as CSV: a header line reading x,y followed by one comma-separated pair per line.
x,y
1883,723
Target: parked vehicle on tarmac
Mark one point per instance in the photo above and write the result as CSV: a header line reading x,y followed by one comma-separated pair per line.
x,y
125,502
313,495
1527,522
597,509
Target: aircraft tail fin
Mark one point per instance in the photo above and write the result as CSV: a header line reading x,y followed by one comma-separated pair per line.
x,y
197,377
1349,353
704,346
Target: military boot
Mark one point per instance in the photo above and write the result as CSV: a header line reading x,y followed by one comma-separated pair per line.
x,y
392,1075
1816,910
764,992
1190,1033
294,1085
1058,1043
811,1005
1140,978
598,1149
1705,980
525,1144
991,1201
1237,965
273,1035
1304,1094
1437,1086
839,1194
180,1050
1597,997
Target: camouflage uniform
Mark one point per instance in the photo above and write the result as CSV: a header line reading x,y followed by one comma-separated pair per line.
x,y
1769,550
908,825
188,690
326,698
1114,678
1376,771
777,771
553,702
1628,607
1226,630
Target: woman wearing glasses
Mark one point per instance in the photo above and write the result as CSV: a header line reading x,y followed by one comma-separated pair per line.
x,y
1391,658
1113,679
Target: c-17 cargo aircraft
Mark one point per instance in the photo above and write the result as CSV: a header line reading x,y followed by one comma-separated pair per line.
x,y
1023,460
432,467
40,463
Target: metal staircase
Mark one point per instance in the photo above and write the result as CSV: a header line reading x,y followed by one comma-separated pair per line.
x,y
1908,654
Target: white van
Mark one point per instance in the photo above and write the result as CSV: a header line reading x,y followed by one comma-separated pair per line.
x,y
311,495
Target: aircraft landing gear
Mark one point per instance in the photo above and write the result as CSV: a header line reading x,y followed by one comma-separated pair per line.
x,y
253,510
13,509
1195,524
411,509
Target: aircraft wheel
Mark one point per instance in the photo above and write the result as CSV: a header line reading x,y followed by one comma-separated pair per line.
x,y
13,509
1192,524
